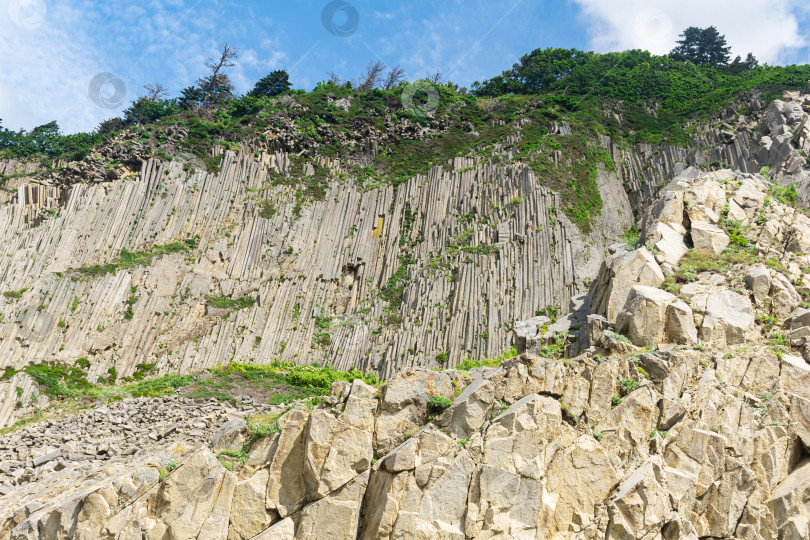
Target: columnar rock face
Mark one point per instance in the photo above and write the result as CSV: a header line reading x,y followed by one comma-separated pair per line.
x,y
486,243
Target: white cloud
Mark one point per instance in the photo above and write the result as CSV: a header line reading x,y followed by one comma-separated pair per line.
x,y
768,29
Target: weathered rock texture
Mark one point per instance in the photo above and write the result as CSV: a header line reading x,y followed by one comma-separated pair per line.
x,y
706,445
332,261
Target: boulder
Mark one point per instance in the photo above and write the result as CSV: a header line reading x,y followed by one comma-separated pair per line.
x,y
335,453
798,324
596,326
709,239
641,505
700,213
669,209
795,374
727,319
469,410
283,530
758,281
231,436
668,242
403,408
336,515
249,516
580,476
680,324
707,192
788,503
784,297
653,316
617,276
798,237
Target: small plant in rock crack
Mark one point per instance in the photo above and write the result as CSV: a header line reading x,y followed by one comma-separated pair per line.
x,y
653,433
596,434
615,401
499,408
627,386
438,404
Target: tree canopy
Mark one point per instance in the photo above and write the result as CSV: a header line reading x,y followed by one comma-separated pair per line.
x,y
702,46
275,83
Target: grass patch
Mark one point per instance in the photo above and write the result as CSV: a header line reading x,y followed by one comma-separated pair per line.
x,y
130,259
15,295
234,304
469,364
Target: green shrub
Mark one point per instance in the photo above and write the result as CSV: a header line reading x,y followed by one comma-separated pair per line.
x,y
438,404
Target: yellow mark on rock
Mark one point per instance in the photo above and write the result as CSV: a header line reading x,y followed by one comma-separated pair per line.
x,y
377,230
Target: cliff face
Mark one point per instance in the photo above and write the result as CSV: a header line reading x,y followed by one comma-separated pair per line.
x,y
685,417
439,267
480,237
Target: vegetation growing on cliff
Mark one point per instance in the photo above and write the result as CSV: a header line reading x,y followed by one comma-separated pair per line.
x,y
633,96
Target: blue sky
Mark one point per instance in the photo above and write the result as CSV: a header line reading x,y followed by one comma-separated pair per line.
x,y
53,48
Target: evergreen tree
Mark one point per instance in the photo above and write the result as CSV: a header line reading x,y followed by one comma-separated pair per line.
x,y
702,46
271,85
191,98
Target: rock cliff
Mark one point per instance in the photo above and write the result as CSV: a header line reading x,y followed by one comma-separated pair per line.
x,y
668,398
686,415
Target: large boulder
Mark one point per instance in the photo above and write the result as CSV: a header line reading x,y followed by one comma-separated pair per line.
x,y
728,318
618,275
231,436
707,192
783,296
668,242
709,239
641,505
758,281
653,316
789,503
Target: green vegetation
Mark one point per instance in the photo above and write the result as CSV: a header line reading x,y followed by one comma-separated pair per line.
x,y
785,194
556,346
627,386
653,433
129,259
47,142
693,263
469,364
680,86
164,471
631,238
233,304
15,295
394,290
438,404
263,426
279,382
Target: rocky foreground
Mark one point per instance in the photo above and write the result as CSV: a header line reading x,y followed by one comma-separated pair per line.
x,y
685,414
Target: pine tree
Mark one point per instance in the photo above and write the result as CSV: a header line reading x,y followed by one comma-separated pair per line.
x,y
271,85
702,46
